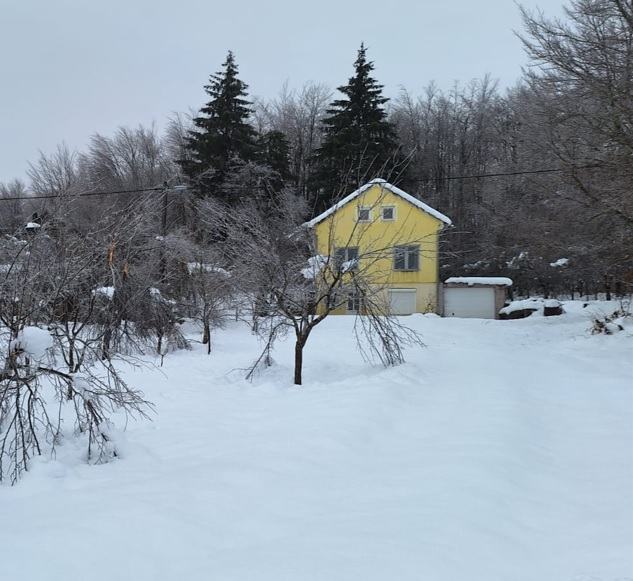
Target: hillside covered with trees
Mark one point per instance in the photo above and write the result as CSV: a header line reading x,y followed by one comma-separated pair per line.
x,y
537,179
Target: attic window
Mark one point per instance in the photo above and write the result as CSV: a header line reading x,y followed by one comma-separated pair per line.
x,y
388,213
364,214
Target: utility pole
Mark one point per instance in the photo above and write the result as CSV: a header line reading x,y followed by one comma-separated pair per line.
x,y
163,226
163,233
163,222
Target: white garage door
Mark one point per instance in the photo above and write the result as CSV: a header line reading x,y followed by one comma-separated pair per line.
x,y
467,302
402,301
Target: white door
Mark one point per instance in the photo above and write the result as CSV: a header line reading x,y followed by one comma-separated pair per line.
x,y
467,302
402,301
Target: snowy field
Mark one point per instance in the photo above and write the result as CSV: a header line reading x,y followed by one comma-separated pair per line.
x,y
501,451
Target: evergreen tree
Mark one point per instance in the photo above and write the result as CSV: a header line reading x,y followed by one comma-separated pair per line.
x,y
359,142
223,136
275,153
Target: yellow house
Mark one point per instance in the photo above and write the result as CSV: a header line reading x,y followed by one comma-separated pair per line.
x,y
392,238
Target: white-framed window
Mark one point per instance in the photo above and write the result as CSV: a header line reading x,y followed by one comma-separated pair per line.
x,y
364,214
406,257
333,300
388,213
346,258
354,302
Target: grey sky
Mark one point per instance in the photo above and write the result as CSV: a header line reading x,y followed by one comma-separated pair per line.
x,y
70,68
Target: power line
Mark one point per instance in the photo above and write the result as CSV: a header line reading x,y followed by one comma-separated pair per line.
x,y
516,173
182,188
82,194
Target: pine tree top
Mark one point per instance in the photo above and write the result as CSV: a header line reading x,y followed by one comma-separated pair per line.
x,y
358,139
364,99
223,135
228,96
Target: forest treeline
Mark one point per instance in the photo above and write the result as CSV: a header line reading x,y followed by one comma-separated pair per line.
x,y
537,179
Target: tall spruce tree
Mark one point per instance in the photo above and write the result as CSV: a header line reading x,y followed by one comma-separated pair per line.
x,y
223,136
275,153
359,142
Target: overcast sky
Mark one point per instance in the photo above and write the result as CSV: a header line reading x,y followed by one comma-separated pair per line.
x,y
70,68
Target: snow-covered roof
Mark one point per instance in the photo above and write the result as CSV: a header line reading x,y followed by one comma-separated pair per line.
x,y
196,267
106,291
472,280
387,186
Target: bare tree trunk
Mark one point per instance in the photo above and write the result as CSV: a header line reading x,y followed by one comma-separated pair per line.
x,y
105,348
206,336
298,361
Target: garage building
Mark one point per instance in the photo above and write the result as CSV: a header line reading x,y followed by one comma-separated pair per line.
x,y
477,297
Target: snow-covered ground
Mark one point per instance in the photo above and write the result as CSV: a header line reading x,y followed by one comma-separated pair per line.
x,y
501,451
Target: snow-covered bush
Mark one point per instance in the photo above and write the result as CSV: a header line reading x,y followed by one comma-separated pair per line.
x,y
610,324
209,293
56,378
524,308
158,320
49,379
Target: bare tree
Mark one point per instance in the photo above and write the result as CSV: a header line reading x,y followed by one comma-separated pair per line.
x,y
298,115
51,352
275,261
54,174
581,83
132,158
12,211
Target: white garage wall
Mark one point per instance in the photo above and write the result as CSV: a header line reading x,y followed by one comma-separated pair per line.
x,y
470,302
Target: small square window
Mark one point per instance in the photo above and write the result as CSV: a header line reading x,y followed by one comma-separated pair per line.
x,y
364,214
388,213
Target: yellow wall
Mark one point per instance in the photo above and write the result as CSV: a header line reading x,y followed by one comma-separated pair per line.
x,y
377,238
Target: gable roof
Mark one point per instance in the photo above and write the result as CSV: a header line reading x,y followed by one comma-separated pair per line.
x,y
387,186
